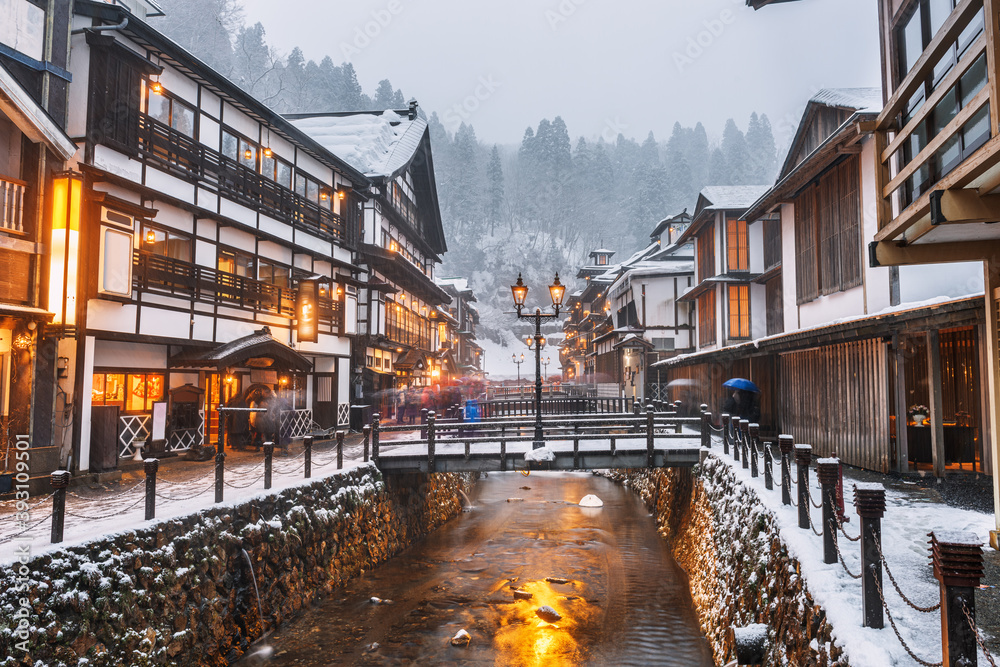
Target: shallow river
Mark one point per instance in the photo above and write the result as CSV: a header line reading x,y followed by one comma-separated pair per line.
x,y
626,601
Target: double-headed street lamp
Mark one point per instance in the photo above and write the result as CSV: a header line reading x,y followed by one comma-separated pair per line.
x,y
556,291
517,361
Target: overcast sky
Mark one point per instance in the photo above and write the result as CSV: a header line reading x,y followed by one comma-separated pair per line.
x,y
604,66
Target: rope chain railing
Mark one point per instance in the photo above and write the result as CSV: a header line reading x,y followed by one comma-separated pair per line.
x,y
115,512
95,499
892,622
979,637
895,584
13,515
14,536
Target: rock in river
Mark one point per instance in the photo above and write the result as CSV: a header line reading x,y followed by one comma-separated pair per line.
x,y
522,595
461,638
548,614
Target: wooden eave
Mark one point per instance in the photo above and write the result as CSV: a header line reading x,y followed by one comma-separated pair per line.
x,y
844,141
961,312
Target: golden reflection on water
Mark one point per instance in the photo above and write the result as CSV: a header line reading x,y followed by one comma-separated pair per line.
x,y
525,639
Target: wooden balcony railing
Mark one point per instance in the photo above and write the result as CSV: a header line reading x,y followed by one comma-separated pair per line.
x,y
12,205
180,153
164,275
922,148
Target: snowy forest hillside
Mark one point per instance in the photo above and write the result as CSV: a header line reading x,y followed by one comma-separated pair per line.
x,y
538,206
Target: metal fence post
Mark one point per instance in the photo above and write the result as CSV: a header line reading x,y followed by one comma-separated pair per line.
x,y
375,436
650,435
423,423
60,480
308,443
636,409
828,472
706,433
503,456
745,442
430,441
786,444
367,430
768,472
340,450
725,432
268,463
803,455
869,501
737,439
220,458
754,441
958,567
150,466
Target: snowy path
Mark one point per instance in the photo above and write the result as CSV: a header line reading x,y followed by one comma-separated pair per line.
x,y
908,519
91,514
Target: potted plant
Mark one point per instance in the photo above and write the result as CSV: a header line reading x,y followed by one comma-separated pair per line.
x,y
918,414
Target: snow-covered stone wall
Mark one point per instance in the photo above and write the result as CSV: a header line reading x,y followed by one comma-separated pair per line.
x,y
180,591
739,569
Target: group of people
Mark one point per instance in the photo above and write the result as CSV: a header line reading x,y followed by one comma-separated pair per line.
x,y
409,402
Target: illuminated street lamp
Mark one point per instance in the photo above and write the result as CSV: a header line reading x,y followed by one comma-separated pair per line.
x,y
556,292
517,361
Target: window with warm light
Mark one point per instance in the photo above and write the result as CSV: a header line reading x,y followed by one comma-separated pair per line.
x,y
165,242
170,111
737,245
739,311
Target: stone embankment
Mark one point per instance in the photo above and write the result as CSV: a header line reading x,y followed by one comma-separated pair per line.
x,y
740,571
180,592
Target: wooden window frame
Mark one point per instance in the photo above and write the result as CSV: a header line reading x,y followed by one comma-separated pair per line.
x,y
706,253
707,324
739,317
737,245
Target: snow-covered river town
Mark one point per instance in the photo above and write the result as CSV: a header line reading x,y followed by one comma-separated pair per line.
x,y
551,333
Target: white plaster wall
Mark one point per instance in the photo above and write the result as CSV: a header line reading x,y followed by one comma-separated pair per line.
x,y
926,281
165,323
179,85
208,133
110,315
173,217
119,354
210,102
788,282
121,165
79,65
825,309
876,279
239,121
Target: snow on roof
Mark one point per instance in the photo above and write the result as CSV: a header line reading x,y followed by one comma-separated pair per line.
x,y
376,145
732,196
460,284
860,99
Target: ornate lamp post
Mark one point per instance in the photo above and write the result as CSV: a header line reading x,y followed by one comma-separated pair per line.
x,y
545,362
520,291
517,361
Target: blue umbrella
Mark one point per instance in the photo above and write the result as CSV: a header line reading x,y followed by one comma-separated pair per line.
x,y
740,383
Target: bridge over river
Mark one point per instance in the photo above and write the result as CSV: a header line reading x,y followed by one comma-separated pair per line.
x,y
571,442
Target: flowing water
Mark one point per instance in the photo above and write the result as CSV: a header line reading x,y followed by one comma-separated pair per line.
x,y
625,600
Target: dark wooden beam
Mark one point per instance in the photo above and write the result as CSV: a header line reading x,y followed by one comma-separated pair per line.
x,y
962,206
883,253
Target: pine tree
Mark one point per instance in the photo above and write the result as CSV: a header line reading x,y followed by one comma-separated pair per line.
x,y
737,156
384,95
760,143
698,158
718,169
494,174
